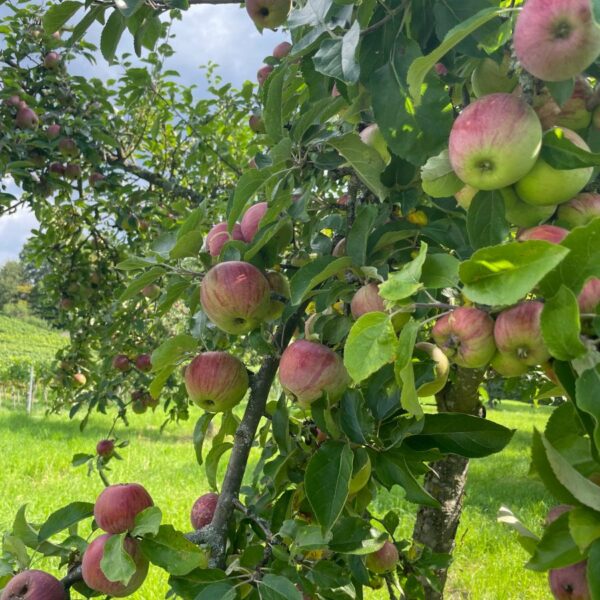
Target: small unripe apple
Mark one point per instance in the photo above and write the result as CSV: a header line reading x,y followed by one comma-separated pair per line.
x,y
466,337
216,381
372,136
383,560
53,131
580,210
203,510
121,362
518,333
589,297
33,585
57,169
139,407
80,379
143,362
343,200
105,448
441,369
307,370
236,296
94,577
256,124
495,141
72,171
556,40
263,74
151,291
118,505
522,214
26,118
490,77
544,185
250,223
51,60
219,235
282,50
570,583
548,233
96,178
366,300
68,148
280,286
268,14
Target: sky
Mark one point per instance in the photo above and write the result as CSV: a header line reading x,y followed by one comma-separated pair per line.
x,y
223,34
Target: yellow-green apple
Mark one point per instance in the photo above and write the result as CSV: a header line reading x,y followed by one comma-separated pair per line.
x,y
51,60
440,368
570,583
589,297
143,362
268,14
574,113
280,293
26,118
151,291
236,296
580,210
282,50
490,77
263,74
518,333
80,379
547,233
94,577
361,471
371,136
507,365
495,141
465,196
556,39
383,560
522,214
105,448
466,337
219,235
250,222
118,505
121,362
308,370
203,510
256,124
34,585
216,381
367,299
53,131
544,185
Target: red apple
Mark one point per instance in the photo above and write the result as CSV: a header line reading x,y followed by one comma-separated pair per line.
x,y
366,300
68,148
518,333
250,223
589,297
117,506
308,370
151,291
268,14
570,583
203,510
121,362
280,287
580,210
105,448
556,39
371,136
219,235
51,60
53,131
14,102
94,577
72,171
34,585
282,50
466,336
548,233
545,108
26,118
495,141
216,381
383,560
544,185
57,169
66,304
263,74
256,124
343,200
80,379
143,362
236,296
96,178
440,69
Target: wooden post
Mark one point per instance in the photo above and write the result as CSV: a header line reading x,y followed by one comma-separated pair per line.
x,y
30,391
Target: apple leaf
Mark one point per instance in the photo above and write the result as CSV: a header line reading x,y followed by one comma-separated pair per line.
x,y
593,569
584,526
353,535
337,58
200,430
188,244
223,590
408,394
147,522
276,587
111,35
129,7
561,153
64,518
440,271
486,224
212,462
406,281
503,275
116,563
525,537
272,113
141,281
438,178
315,272
586,394
58,14
356,242
172,351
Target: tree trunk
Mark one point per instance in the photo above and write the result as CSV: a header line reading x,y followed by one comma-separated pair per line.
x,y
436,527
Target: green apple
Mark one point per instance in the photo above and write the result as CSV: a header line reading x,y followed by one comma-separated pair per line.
x,y
490,77
521,214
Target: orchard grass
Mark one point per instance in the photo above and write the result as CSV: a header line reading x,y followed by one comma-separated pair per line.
x,y
36,457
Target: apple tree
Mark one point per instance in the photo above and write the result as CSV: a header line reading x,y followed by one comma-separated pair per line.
x,y
420,214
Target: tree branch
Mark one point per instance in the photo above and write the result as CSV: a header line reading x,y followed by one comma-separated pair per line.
x,y
72,577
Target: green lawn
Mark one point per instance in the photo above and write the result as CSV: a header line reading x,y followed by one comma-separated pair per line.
x,y
36,454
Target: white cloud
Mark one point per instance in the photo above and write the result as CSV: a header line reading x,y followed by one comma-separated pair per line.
x,y
14,231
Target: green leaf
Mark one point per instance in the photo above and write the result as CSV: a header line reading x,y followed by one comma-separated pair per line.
x,y
561,326
116,562
200,430
172,351
337,58
159,381
317,113
188,244
171,551
272,113
326,481
147,522
526,538
561,153
486,224
465,435
358,236
276,587
248,184
586,393
314,273
406,281
111,35
212,463
192,222
128,7
64,518
140,282
365,160
58,14
408,395
370,345
406,343
355,420
440,271
556,548
503,275
134,263
421,66
223,590
353,535
584,526
438,178
593,568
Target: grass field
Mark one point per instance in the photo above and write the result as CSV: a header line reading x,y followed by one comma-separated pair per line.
x,y
36,454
